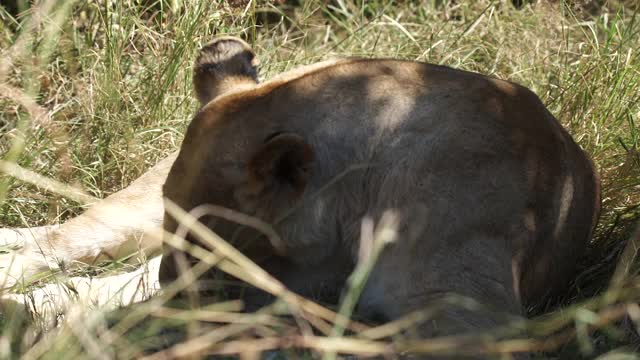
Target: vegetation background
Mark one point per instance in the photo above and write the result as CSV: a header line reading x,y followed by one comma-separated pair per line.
x,y
92,93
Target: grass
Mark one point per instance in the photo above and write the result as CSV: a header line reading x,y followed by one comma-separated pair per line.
x,y
92,93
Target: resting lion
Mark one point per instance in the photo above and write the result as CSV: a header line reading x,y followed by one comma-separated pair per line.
x,y
490,197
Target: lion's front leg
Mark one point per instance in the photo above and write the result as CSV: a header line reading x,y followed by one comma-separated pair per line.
x,y
20,237
114,228
105,292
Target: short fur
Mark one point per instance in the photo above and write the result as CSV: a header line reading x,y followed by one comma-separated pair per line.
x,y
495,200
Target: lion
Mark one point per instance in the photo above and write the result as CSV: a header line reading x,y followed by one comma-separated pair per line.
x,y
490,199
493,199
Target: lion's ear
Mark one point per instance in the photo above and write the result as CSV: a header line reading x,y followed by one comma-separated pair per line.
x,y
225,64
283,162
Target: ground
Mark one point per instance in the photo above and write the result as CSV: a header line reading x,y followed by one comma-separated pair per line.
x,y
93,93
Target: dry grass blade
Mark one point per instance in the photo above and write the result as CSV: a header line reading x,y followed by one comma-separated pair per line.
x,y
321,344
252,273
627,260
21,46
371,245
238,218
39,115
217,316
200,344
45,183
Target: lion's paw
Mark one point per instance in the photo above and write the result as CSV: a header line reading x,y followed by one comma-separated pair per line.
x,y
21,268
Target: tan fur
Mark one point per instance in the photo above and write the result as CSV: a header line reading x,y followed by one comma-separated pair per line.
x,y
494,200
53,299
223,65
114,228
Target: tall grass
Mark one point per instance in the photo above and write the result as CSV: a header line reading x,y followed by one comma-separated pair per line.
x,y
92,93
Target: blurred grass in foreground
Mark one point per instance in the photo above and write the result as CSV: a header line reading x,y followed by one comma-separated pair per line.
x,y
92,93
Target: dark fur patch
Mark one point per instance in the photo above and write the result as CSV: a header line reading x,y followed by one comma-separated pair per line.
x,y
285,159
220,64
